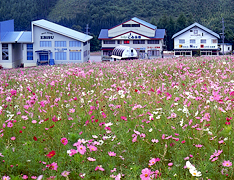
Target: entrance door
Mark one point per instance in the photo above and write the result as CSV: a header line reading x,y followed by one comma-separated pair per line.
x,y
43,57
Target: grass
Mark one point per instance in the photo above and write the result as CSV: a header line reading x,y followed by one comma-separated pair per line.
x,y
139,119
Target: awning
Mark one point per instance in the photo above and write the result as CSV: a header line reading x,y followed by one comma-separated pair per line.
x,y
107,48
43,51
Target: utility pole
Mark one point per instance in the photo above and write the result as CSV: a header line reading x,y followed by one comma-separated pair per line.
x,y
87,29
223,34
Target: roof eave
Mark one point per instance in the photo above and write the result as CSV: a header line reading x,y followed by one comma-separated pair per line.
x,y
82,40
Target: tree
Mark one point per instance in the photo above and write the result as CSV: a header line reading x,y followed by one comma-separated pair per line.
x,y
153,21
181,22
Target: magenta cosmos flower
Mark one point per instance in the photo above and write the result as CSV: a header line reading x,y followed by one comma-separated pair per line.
x,y
227,163
64,141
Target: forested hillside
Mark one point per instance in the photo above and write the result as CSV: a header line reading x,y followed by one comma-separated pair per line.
x,y
171,15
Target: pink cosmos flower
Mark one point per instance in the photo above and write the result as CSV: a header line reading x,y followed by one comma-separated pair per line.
x,y
34,121
112,153
153,161
134,139
154,140
6,178
33,177
10,124
91,159
183,141
52,166
72,110
227,163
64,141
71,152
170,164
198,145
92,148
65,173
25,177
13,138
99,168
81,149
220,142
146,173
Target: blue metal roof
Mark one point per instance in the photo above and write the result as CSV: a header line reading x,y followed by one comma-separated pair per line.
x,y
198,25
62,30
5,27
11,37
26,37
160,33
144,23
103,34
17,37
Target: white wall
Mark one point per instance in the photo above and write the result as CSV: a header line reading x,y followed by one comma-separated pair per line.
x,y
200,35
227,48
38,32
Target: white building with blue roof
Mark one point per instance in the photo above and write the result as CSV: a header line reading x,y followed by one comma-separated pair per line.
x,y
196,40
47,42
144,37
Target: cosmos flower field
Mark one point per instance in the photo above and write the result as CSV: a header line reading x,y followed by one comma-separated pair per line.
x,y
143,119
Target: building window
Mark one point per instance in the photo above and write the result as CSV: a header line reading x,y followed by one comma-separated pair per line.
x,y
75,55
126,25
181,41
107,53
138,41
29,51
74,44
119,41
108,42
195,31
153,41
126,42
60,44
192,41
60,56
214,40
131,25
153,53
5,52
85,53
203,40
45,44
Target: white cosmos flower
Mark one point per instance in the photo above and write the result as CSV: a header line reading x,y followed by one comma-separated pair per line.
x,y
194,172
108,124
181,124
94,136
150,130
190,166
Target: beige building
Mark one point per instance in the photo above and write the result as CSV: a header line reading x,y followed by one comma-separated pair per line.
x,y
144,37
